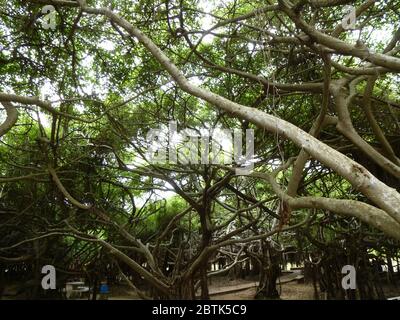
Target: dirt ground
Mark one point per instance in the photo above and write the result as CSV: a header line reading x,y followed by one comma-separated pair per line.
x,y
239,289
288,291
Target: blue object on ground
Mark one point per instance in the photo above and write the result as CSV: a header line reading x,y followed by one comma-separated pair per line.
x,y
104,289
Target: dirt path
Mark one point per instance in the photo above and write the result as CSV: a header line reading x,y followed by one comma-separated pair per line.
x,y
246,290
243,289
294,275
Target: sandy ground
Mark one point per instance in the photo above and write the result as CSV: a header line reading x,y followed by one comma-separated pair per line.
x,y
288,291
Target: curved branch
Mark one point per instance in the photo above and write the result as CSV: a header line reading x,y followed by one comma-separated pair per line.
x,y
45,105
378,192
65,192
11,120
338,45
369,214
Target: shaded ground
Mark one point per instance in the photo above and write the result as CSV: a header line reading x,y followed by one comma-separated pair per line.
x,y
222,288
289,291
239,289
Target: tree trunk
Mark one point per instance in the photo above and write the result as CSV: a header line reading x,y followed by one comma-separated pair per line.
x,y
269,273
184,289
204,282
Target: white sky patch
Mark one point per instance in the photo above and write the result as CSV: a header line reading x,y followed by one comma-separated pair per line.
x,y
167,86
251,46
374,35
88,62
381,35
44,120
47,93
137,61
159,194
371,36
196,81
80,107
3,115
207,21
88,88
166,194
107,45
